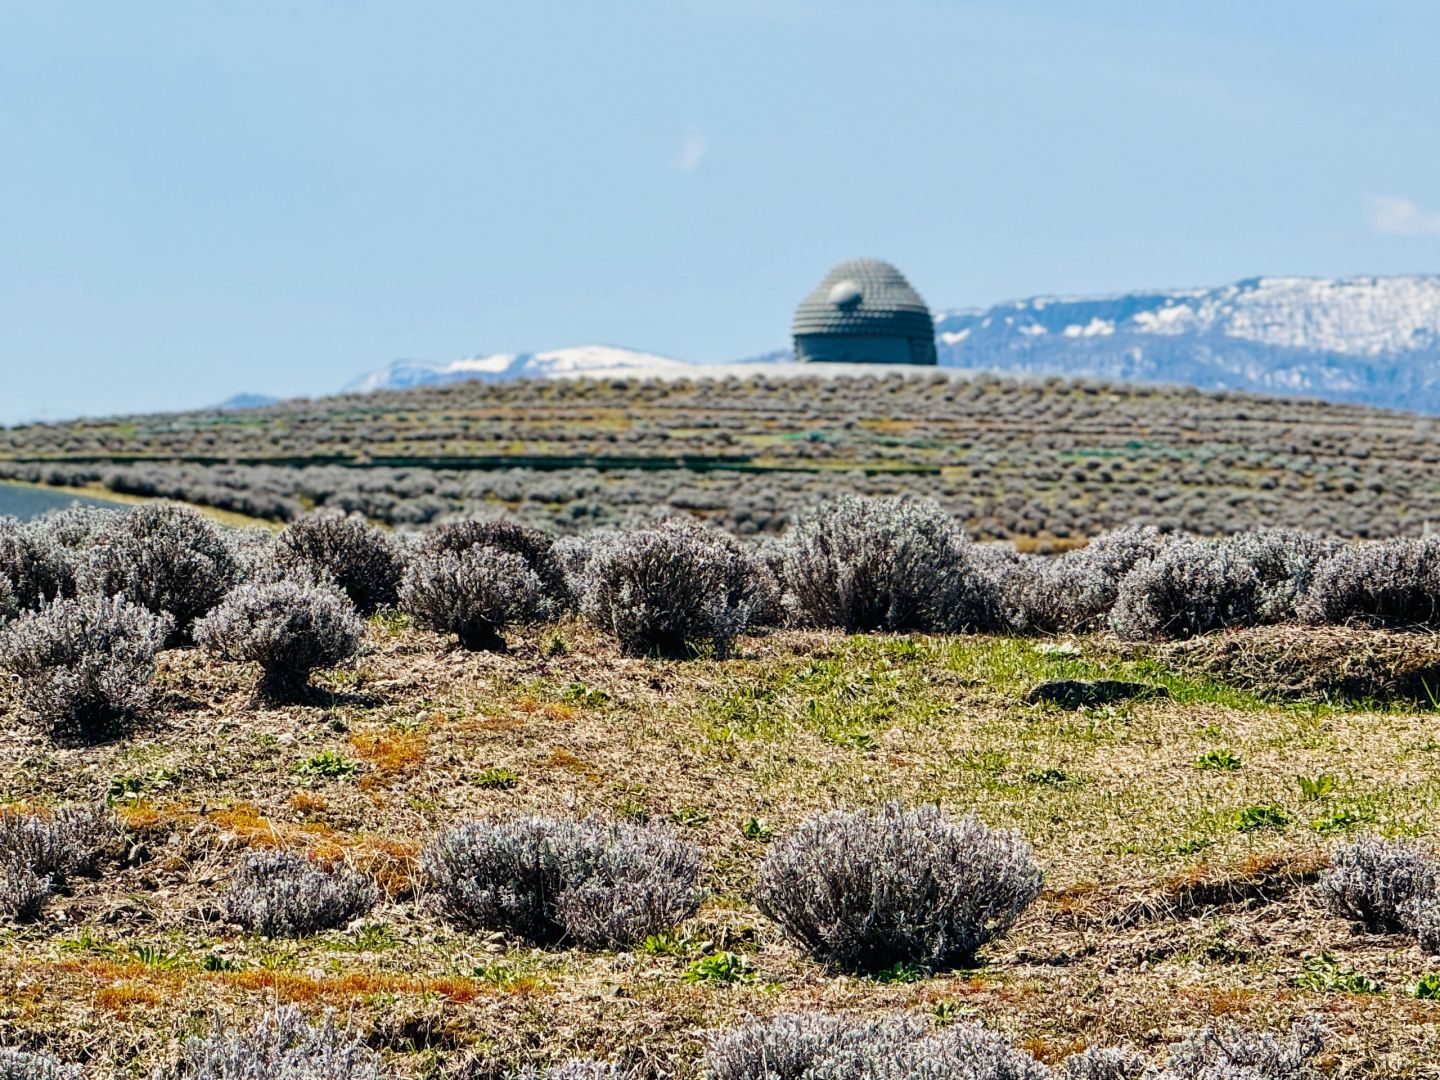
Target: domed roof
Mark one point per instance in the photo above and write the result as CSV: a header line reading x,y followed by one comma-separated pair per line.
x,y
865,299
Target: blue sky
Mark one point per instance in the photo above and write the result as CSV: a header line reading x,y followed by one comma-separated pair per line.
x,y
199,198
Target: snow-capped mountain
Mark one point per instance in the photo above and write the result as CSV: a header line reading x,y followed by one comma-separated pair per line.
x,y
595,360
1366,339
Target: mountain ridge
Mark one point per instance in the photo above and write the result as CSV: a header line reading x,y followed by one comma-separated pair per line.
x,y
1366,339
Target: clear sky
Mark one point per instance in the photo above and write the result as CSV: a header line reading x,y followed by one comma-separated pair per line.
x,y
199,198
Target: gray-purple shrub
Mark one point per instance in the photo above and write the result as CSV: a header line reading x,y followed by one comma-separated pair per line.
x,y
23,1065
474,593
75,528
42,852
1074,592
1106,1063
865,890
887,564
366,562
284,894
1237,1054
574,1069
550,881
85,664
1285,562
281,1046
670,590
901,1046
37,568
1191,587
289,628
9,605
1386,583
1378,882
905,1046
167,558
534,547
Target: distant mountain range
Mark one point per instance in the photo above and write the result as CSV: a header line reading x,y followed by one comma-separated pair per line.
x,y
1365,339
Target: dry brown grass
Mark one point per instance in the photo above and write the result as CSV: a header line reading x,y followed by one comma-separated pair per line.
x,y
1160,914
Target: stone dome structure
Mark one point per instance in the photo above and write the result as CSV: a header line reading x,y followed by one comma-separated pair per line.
x,y
864,312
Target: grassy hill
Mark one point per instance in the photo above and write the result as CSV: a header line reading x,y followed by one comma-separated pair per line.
x,y
1049,459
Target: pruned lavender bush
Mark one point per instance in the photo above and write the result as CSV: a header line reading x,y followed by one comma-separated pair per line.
x,y
84,665
284,894
535,547
254,551
1238,1054
1285,562
9,605
1191,587
902,1046
37,568
167,558
1074,592
289,628
550,881
814,1046
573,555
1387,583
281,1046
1378,882
329,546
886,564
21,1065
474,593
75,528
1106,1063
671,589
867,889
769,561
42,852
575,1069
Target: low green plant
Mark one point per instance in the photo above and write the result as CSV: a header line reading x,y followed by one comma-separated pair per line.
x,y
665,943
1428,986
216,962
1341,819
1050,777
945,1012
580,694
1223,759
757,829
374,937
152,956
1313,789
632,808
499,778
689,816
327,763
723,967
390,622
1324,972
1264,816
129,788
900,972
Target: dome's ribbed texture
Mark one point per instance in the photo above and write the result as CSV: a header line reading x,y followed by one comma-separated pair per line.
x,y
864,312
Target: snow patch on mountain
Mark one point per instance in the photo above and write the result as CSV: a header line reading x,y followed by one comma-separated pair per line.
x,y
1366,339
593,360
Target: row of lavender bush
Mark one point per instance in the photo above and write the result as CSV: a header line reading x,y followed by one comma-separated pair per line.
x,y
793,1046
91,596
